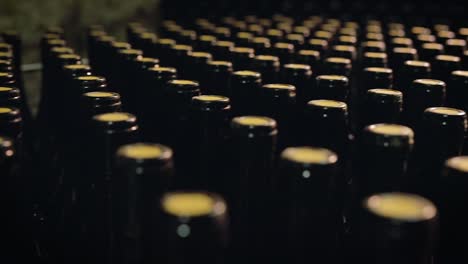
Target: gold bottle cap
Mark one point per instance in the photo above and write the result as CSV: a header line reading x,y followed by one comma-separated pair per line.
x,y
144,151
221,63
62,50
296,66
339,60
309,155
429,82
77,67
254,121
266,58
5,110
401,206
386,92
416,63
247,74
243,50
199,54
448,58
121,45
182,47
459,163
5,89
379,70
391,130
211,98
279,86
460,73
184,82
328,104
404,50
375,55
192,204
89,78
100,94
374,36
446,111
420,30
207,38
309,53
114,117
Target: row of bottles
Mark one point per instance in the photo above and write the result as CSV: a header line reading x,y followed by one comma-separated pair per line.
x,y
241,139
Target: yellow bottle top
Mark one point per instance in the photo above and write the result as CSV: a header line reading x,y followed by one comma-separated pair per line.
x,y
266,57
5,89
164,69
5,110
295,37
404,41
199,54
89,78
386,92
121,45
420,30
328,103
400,206
456,42
254,121
244,35
279,86
183,82
448,58
188,204
221,63
166,41
333,77
406,50
417,63
375,55
460,73
430,82
141,151
62,50
309,155
260,40
77,67
69,56
99,94
323,34
317,41
283,45
247,73
435,46
243,50
379,69
309,52
113,117
374,36
391,130
225,44
297,66
446,34
182,47
339,60
446,111
344,48
131,51
274,32
459,163
148,35
211,98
